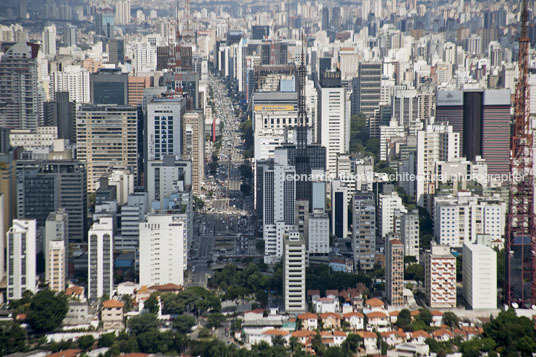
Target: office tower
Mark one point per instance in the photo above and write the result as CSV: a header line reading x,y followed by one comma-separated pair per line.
x,y
21,258
474,44
61,182
100,258
440,277
325,18
72,79
389,134
459,219
109,86
116,51
294,257
364,230
18,74
193,146
405,109
368,87
394,270
145,58
479,276
161,250
348,62
449,110
495,145
259,32
56,249
164,127
136,87
49,40
318,234
105,23
339,209
131,215
107,138
8,181
61,113
333,117
183,83
70,37
434,143
388,204
122,12
409,233
167,176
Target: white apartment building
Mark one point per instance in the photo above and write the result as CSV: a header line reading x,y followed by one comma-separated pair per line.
x,y
318,234
43,136
56,264
122,12
409,233
387,133
440,277
294,273
348,62
144,56
73,79
437,142
461,169
388,204
164,127
123,180
334,117
479,276
100,258
49,40
21,258
161,250
459,219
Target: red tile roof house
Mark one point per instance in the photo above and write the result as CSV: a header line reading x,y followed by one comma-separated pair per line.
x,y
355,319
437,317
335,338
419,336
309,321
331,320
442,335
394,337
375,304
378,320
370,341
304,336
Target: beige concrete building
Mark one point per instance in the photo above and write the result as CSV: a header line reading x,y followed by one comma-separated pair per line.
x,y
394,270
193,146
112,315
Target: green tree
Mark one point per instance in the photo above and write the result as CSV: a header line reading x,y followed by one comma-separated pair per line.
x,y
508,330
184,323
107,340
12,338
142,323
403,319
278,341
352,343
46,311
151,304
425,316
450,319
215,320
414,272
85,342
317,345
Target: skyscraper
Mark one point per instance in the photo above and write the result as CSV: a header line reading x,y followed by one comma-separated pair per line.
x,y
164,127
394,270
193,146
70,37
364,230
100,258
162,244
105,22
294,257
109,86
368,87
122,12
18,74
49,40
116,51
21,258
61,113
107,138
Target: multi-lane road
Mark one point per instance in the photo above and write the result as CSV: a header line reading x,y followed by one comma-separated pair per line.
x,y
224,228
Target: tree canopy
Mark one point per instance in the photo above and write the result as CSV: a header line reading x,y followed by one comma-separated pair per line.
x,y
46,311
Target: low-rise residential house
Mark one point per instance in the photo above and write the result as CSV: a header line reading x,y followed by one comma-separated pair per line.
x,y
253,315
394,337
419,336
267,336
437,317
304,336
369,341
346,308
374,304
309,321
338,337
355,319
472,332
77,314
112,315
393,316
331,320
409,350
335,338
442,335
71,352
75,292
378,320
327,304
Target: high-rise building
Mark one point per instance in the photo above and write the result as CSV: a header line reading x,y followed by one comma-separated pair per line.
x,y
325,18
409,233
388,204
21,258
116,51
136,86
49,40
107,138
56,249
440,277
167,176
333,118
131,215
145,58
20,100
161,250
368,87
294,258
105,22
364,230
339,209
73,79
70,37
193,146
318,234
394,270
61,113
405,109
479,276
44,186
164,127
122,12
109,86
100,258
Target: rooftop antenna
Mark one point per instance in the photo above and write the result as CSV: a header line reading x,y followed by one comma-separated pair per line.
x,y
302,114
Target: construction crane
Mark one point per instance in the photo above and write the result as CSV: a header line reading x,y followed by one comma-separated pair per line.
x,y
520,289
